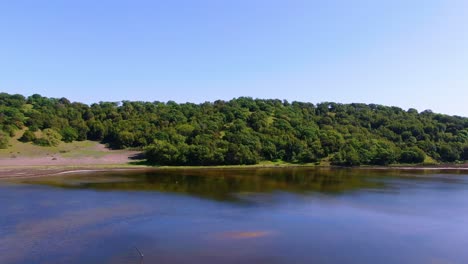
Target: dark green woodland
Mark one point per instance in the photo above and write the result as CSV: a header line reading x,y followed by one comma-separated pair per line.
x,y
242,130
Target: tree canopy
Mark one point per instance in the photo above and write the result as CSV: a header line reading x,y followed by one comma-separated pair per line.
x,y
243,130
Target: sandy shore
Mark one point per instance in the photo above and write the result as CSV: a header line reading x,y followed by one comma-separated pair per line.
x,y
8,171
41,171
24,166
108,158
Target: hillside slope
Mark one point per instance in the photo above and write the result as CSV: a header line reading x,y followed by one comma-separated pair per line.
x,y
243,130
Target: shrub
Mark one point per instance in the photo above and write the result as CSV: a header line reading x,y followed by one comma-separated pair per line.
x,y
4,139
28,136
69,134
412,155
50,138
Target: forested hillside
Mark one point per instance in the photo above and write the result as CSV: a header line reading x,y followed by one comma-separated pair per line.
x,y
242,131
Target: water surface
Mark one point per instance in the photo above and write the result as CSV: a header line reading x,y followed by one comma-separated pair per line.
x,y
276,215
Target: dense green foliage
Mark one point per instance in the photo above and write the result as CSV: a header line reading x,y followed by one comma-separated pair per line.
x,y
28,136
245,130
3,140
49,137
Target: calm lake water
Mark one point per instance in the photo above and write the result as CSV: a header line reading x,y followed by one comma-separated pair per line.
x,y
293,215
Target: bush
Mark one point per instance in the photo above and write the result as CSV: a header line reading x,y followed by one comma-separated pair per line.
x,y
465,153
69,134
162,153
50,138
448,153
412,155
28,136
9,130
4,139
125,139
346,157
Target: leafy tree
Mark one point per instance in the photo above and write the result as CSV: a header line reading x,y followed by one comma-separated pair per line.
x,y
125,139
465,153
240,154
204,155
97,131
384,153
348,156
331,141
412,155
448,153
69,134
162,153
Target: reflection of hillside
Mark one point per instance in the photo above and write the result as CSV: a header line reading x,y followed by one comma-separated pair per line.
x,y
222,184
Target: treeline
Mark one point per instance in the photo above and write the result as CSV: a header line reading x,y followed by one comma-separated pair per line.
x,y
242,130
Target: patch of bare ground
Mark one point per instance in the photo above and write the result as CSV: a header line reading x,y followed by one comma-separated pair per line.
x,y
109,157
28,160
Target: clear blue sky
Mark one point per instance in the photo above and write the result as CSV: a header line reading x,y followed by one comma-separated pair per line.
x,y
393,52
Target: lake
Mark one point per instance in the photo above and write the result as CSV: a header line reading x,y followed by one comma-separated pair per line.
x,y
262,215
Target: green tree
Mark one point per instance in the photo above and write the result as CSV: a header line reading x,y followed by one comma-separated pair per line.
x,y
69,134
125,139
448,153
348,156
162,153
465,153
97,131
412,155
240,154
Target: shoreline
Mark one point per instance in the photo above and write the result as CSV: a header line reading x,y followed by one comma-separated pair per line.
x,y
34,171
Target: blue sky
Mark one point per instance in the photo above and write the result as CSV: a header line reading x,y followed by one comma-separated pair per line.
x,y
392,52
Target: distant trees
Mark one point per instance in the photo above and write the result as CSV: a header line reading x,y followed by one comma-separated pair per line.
x,y
69,134
242,130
